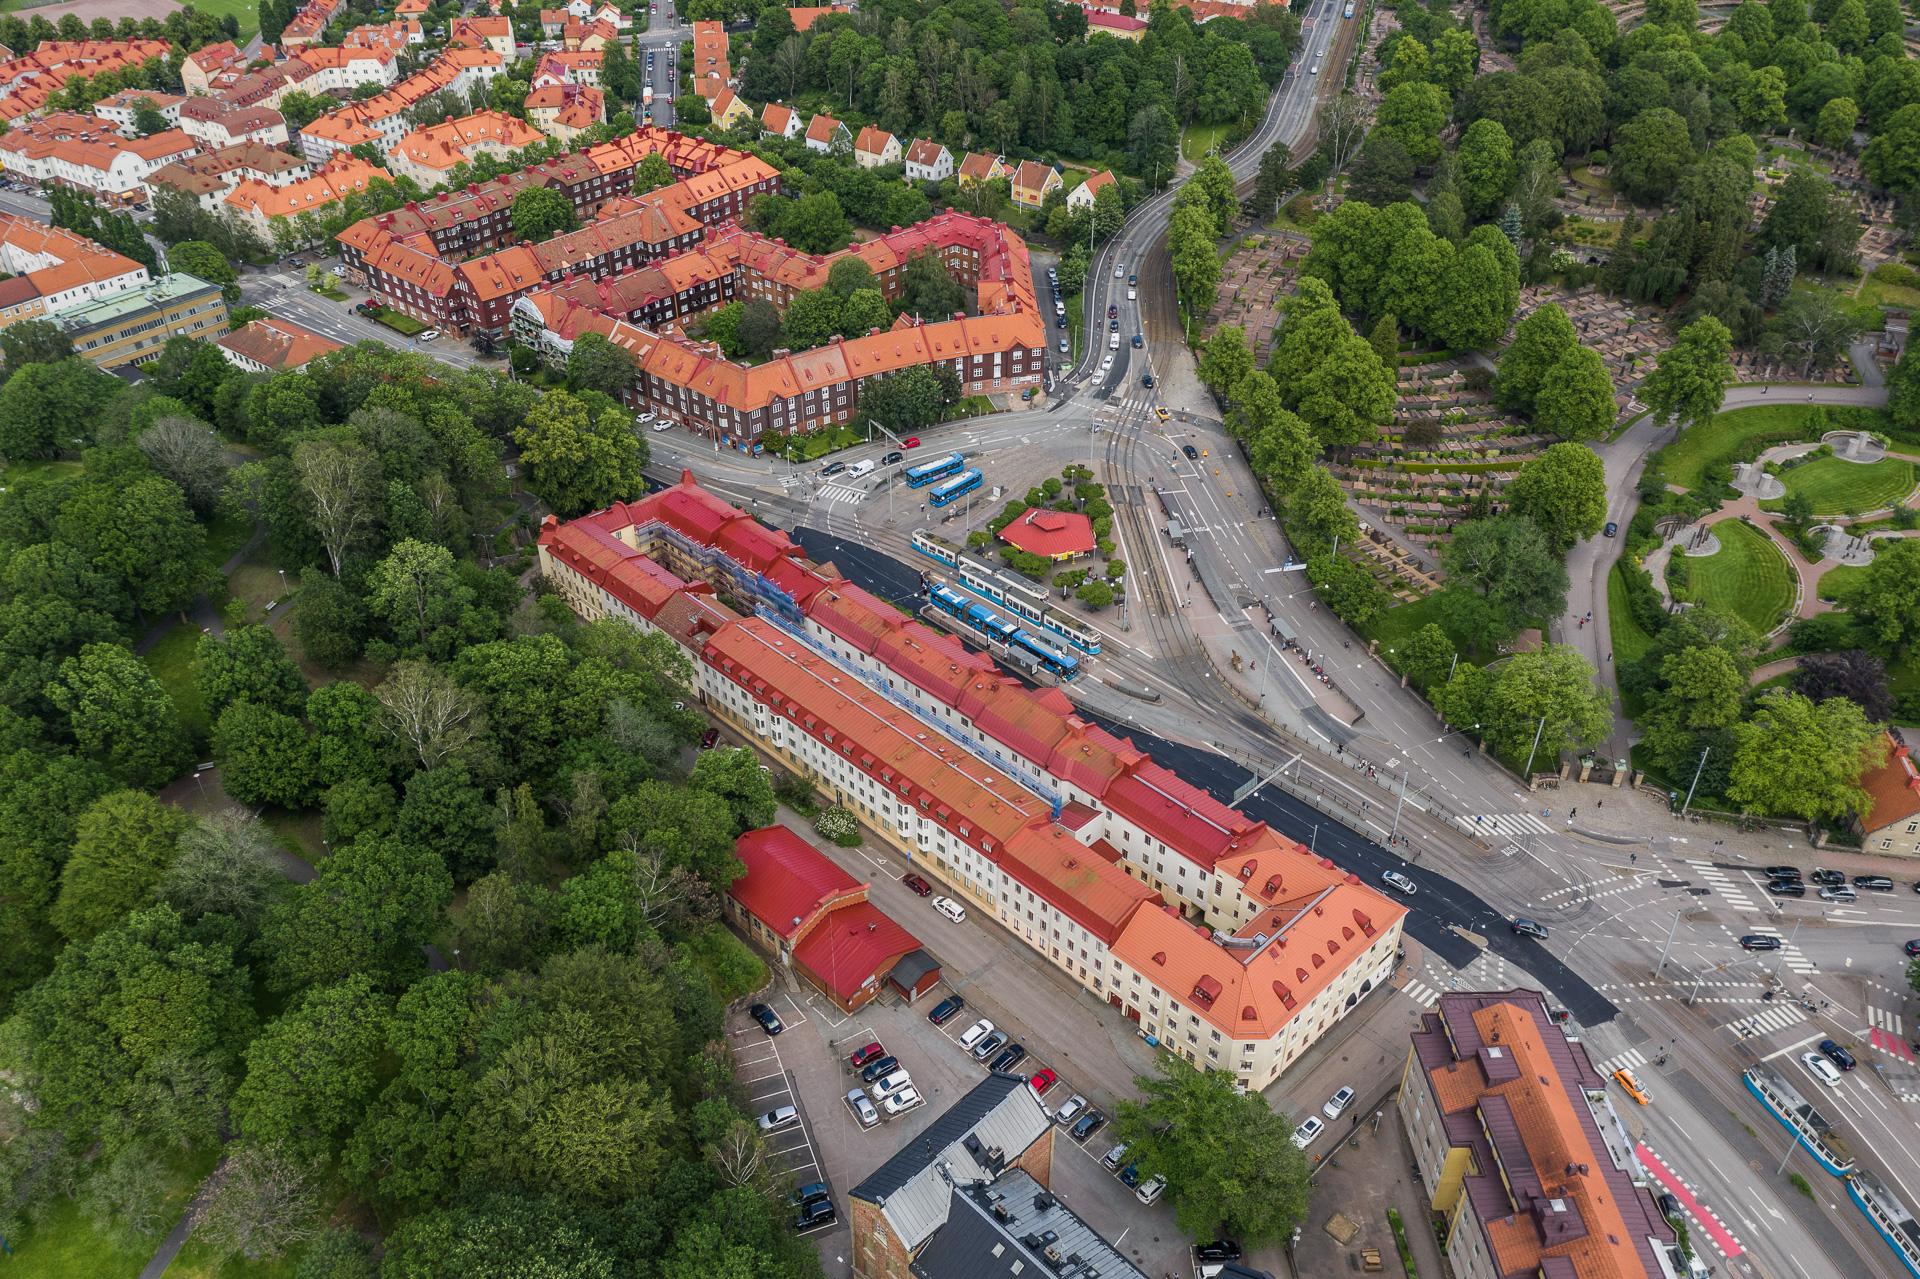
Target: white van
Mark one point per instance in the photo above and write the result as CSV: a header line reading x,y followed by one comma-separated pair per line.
x,y
859,469
1113,341
951,909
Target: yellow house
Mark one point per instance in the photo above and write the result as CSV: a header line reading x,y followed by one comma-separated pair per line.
x,y
1031,183
729,111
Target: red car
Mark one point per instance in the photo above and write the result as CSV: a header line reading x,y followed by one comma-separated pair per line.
x,y
708,738
872,1052
1043,1080
918,885
911,442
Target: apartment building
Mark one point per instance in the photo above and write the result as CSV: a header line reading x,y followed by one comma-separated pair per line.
x,y
271,344
28,82
260,204
1230,943
201,68
565,111
132,326
382,119
710,71
119,109
1519,1150
999,350
210,176
429,154
79,151
309,23
51,270
1891,823
342,69
215,124
412,257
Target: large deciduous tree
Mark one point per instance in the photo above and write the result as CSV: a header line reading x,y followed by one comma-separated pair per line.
x,y
1563,491
119,715
540,213
579,456
340,484
1690,379
1799,758
1887,598
247,663
312,1069
1228,1157
373,904
121,851
1502,574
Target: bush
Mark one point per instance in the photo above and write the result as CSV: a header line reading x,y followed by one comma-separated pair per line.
x,y
838,825
732,969
796,793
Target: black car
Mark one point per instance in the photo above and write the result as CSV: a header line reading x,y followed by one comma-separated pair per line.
x,y
946,1010
1192,453
1610,530
1527,928
1759,941
1060,322
1087,1125
891,458
832,468
1827,878
816,1213
1669,1206
1113,326
1783,872
878,1067
1877,883
769,1020
1218,1250
1010,1056
1837,1055
1786,888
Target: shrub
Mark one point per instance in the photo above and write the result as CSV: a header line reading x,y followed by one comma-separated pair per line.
x,y
838,825
796,793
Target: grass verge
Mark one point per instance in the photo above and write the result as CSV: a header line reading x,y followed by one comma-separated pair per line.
x,y
400,323
1630,642
1748,576
1198,139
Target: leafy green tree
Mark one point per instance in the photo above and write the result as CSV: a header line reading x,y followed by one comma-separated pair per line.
x,y
1485,167
1648,154
330,621
121,851
1690,378
579,458
1702,692
540,213
119,715
1554,684
1429,656
226,863
1280,446
1886,601
1563,491
1576,397
1502,575
143,536
249,664
1799,758
446,814
198,258
418,593
34,342
1318,515
1228,1156
1539,342
313,1069
812,317
1348,590
907,401
1835,124
864,310
1225,361
265,756
595,364
123,1017
1384,172
1196,263
849,275
1413,114
1892,158
47,408
735,776
367,913
500,1235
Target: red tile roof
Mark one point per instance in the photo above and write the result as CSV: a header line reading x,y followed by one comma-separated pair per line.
x,y
1893,789
786,880
1051,534
853,946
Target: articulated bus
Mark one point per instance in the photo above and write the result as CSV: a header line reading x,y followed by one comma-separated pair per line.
x,y
939,469
957,487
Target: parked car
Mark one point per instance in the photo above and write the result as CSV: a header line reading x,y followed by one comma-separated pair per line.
x,y
708,738
888,1085
990,1045
1041,1080
975,1033
779,1117
879,1066
1191,452
904,1100
661,425
1303,1135
812,1190
1087,1125
431,335
1839,893
1063,346
1839,1056
769,1020
1394,879
1783,872
1528,928
1114,1155
1760,941
918,885
1130,1176
815,1214
1788,888
1668,1205
1873,883
1913,948
1337,1103
952,909
1074,1105
863,1110
946,1010
1009,1057
1151,1191
1218,1250
1821,875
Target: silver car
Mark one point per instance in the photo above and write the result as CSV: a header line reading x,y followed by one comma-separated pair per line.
x,y
862,1109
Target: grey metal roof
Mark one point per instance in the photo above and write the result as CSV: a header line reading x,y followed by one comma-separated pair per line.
x,y
1014,1229
974,1140
913,965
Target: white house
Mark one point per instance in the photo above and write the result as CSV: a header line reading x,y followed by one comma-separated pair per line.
x,y
928,161
875,147
1082,196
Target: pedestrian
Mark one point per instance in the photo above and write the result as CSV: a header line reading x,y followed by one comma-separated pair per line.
x,y
1600,803
1575,813
1633,857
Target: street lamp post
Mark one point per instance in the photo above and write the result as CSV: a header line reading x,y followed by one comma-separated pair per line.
x,y
1697,768
1539,729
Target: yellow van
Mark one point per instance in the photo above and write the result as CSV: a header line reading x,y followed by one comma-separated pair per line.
x,y
1625,1079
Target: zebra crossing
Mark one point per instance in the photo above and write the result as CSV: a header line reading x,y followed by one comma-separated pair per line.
x,y
1512,823
1631,1059
841,494
1793,956
1767,1021
1881,1019
1722,882
1421,994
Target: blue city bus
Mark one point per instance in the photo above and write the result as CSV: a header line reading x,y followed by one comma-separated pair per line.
x,y
927,472
959,486
1064,665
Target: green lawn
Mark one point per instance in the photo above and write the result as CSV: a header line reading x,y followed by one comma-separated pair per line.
x,y
1747,576
171,661
245,13
1630,643
400,323
1889,286
1688,458
1394,628
1838,487
1198,139
1839,582
66,1243
14,472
